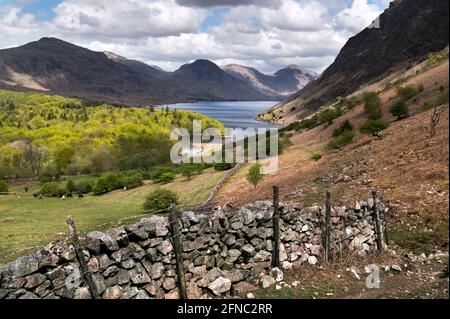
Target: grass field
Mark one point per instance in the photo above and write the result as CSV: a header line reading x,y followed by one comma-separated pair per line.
x,y
27,222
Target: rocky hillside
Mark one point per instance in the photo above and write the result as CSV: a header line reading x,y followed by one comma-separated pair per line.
x,y
284,82
55,66
409,30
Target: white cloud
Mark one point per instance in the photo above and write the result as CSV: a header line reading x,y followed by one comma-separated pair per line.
x,y
360,15
163,32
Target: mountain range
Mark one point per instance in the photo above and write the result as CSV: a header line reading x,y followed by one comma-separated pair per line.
x,y
404,34
54,66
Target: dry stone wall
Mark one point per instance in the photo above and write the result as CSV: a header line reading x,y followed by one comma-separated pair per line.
x,y
222,250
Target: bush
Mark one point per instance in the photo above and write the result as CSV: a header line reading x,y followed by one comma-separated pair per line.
x,y
132,180
166,177
254,175
3,187
372,105
407,92
316,156
374,126
109,182
160,199
52,190
342,140
345,126
328,115
70,186
156,173
83,187
352,103
399,109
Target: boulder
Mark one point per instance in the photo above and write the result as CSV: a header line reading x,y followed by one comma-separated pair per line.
x,y
138,275
220,286
23,266
267,281
34,280
113,293
165,247
169,283
82,293
277,274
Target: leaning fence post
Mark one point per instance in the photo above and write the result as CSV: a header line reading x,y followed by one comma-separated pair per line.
x,y
327,226
377,222
276,227
174,219
80,257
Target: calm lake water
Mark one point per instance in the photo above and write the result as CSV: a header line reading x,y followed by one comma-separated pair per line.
x,y
231,114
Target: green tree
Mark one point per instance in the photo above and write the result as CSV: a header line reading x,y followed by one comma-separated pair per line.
x,y
399,109
3,187
70,186
254,175
63,157
374,127
160,199
372,106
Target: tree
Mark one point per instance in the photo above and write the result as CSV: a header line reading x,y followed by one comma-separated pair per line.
x,y
399,109
101,159
254,175
63,157
160,200
436,116
372,106
3,187
70,186
374,127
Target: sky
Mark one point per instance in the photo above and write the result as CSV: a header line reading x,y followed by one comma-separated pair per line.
x,y
265,34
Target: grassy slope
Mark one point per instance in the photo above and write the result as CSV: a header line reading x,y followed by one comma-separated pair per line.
x,y
27,222
410,169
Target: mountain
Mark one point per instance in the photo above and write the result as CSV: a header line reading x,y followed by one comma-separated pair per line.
x,y
58,67
282,83
137,66
409,30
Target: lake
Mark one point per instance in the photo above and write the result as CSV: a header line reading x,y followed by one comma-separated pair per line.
x,y
231,114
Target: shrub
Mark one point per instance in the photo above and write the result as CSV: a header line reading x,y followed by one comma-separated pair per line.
x,y
316,156
399,109
254,175
372,105
52,190
132,180
70,186
352,103
109,182
3,187
407,92
83,187
156,173
166,177
328,115
374,126
160,199
345,126
340,141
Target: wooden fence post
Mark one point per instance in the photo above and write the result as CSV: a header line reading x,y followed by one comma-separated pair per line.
x,y
327,226
175,222
377,223
80,257
276,227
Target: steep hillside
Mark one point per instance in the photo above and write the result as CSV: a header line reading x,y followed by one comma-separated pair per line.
x,y
409,30
55,66
282,83
407,166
